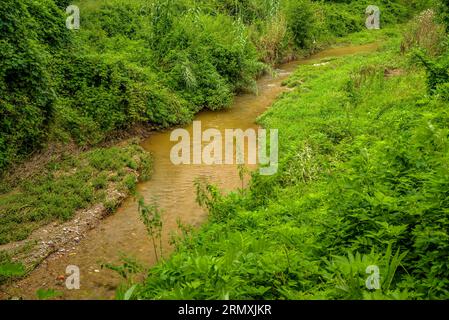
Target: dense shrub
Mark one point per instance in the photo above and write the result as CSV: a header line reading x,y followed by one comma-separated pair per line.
x,y
437,70
426,33
444,11
301,22
29,30
104,93
342,22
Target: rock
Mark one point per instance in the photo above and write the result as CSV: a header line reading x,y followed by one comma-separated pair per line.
x,y
60,278
320,64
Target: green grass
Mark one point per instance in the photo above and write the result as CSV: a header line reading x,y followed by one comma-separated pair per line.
x,y
156,62
9,269
66,186
385,35
363,180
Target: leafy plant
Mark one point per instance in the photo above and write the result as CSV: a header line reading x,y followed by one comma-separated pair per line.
x,y
437,70
362,182
48,294
9,269
151,217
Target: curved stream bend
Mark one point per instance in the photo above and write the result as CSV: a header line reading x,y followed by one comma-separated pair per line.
x,y
171,187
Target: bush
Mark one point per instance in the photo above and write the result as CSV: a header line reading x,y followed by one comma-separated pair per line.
x,y
424,32
30,30
156,62
437,70
301,22
75,183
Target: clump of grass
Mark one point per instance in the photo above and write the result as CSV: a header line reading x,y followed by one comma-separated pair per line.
x,y
67,186
425,32
9,269
48,294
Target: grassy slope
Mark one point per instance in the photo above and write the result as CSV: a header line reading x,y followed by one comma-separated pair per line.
x,y
77,182
362,181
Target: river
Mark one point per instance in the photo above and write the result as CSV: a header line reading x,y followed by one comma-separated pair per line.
x,y
171,187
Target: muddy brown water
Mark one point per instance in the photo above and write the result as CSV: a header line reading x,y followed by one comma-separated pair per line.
x,y
171,187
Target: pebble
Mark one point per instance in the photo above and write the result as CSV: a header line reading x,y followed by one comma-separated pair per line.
x,y
60,278
320,64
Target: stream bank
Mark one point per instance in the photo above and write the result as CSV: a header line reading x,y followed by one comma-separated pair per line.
x,y
171,187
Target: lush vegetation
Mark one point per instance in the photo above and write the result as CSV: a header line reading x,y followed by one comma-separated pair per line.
x,y
363,180
70,184
156,62
66,185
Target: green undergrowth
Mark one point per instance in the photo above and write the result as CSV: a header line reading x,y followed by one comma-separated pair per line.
x,y
9,269
150,62
363,181
76,182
